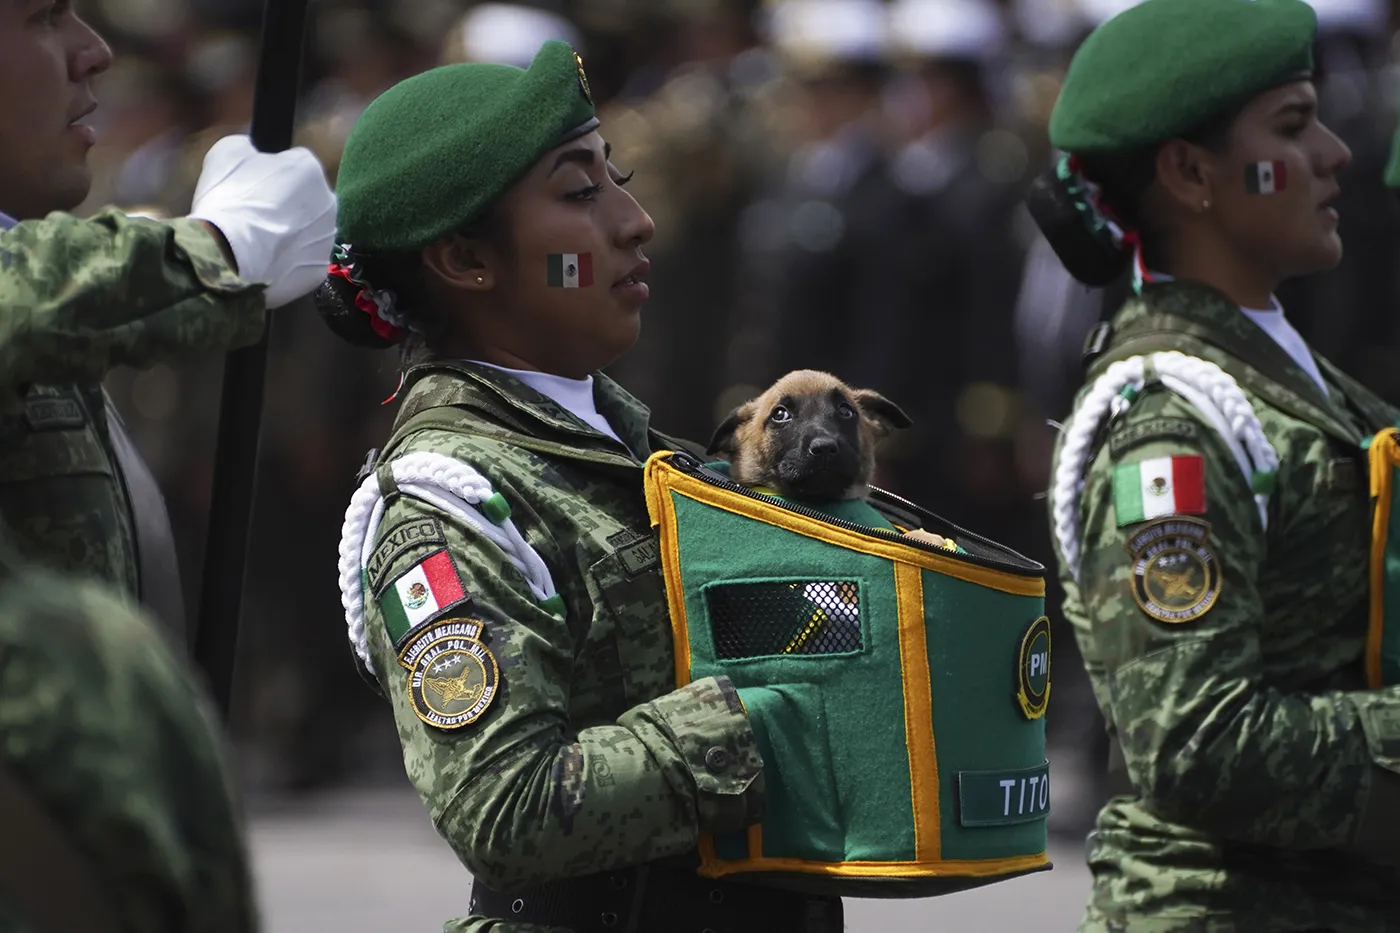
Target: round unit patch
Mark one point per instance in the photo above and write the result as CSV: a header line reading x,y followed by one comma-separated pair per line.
x,y
1176,577
452,676
1033,669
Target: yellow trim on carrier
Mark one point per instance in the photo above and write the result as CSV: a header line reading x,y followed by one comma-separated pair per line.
x,y
1384,458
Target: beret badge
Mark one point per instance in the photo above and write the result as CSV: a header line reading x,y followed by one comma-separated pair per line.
x,y
583,78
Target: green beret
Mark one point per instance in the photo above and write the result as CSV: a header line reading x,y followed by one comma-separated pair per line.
x,y
1164,67
431,154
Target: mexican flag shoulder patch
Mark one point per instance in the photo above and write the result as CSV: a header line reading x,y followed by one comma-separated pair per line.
x,y
1159,487
420,594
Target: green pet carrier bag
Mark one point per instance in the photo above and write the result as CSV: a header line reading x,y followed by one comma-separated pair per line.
x,y
896,689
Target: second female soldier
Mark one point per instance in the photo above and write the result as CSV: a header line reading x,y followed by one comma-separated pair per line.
x,y
482,223
1210,489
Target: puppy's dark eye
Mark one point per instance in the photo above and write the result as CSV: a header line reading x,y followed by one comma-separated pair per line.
x,y
780,415
845,411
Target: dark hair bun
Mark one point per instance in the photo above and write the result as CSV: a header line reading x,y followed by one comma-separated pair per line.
x,y
335,300
1090,256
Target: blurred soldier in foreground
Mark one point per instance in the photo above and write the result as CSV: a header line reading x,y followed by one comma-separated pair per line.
x,y
119,814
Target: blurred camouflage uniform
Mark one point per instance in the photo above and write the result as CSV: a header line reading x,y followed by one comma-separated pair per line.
x,y
587,763
81,297
105,733
1257,777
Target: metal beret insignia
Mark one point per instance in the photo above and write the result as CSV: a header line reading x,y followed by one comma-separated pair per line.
x,y
1176,576
583,78
453,676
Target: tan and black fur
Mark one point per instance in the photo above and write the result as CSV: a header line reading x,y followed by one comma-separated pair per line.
x,y
809,436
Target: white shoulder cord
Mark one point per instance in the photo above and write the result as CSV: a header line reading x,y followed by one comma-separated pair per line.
x,y
449,485
1209,389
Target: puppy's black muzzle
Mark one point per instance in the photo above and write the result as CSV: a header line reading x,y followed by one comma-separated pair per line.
x,y
820,467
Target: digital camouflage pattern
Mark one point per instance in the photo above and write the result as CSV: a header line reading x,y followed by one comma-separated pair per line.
x,y
114,740
588,759
77,298
1261,769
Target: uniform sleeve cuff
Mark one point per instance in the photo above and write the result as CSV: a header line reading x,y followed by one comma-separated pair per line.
x,y
721,770
195,245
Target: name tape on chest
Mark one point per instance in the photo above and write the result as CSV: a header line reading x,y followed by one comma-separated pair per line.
x,y
49,414
1175,573
636,552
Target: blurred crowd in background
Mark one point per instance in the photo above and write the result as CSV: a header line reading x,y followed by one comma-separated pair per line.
x,y
836,184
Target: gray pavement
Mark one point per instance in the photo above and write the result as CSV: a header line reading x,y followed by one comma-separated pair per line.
x,y
365,860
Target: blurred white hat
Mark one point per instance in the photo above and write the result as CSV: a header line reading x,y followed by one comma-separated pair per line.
x,y
969,29
507,33
1049,22
829,30
1098,12
1368,17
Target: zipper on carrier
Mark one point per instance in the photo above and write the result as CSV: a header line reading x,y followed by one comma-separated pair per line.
x,y
1014,563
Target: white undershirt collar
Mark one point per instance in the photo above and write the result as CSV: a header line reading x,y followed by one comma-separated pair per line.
x,y
1272,321
573,395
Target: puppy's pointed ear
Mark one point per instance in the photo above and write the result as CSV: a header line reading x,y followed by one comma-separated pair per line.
x,y
722,441
884,416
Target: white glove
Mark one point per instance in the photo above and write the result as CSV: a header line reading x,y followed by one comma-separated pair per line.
x,y
276,211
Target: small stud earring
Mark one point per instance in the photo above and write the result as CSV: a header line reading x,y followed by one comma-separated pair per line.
x,y
1205,205
480,279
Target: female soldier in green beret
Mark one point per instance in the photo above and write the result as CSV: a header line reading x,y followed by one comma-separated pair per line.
x,y
499,578
1210,498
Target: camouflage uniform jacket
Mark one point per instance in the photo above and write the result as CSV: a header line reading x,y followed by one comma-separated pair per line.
x,y
588,759
1262,771
111,737
78,298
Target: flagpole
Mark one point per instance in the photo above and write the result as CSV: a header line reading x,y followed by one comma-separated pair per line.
x,y
240,411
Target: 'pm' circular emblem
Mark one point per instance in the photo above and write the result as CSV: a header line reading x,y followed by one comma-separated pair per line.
x,y
1176,577
452,681
1033,669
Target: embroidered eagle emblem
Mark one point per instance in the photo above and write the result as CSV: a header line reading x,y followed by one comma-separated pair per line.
x,y
1175,584
455,688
